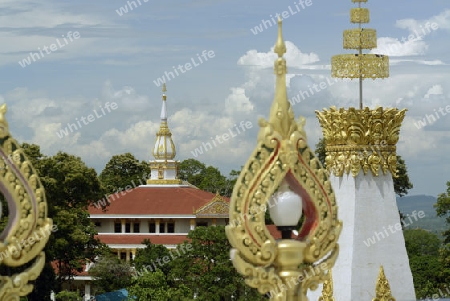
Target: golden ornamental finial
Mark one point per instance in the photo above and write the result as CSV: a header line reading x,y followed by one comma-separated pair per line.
x,y
164,90
282,156
327,290
360,65
383,289
280,47
281,113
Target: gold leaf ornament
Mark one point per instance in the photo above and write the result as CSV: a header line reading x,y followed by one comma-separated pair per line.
x,y
28,227
282,154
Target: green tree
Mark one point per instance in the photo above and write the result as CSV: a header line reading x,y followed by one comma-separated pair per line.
x,y
150,258
231,181
204,264
443,210
191,170
150,286
110,274
420,242
423,252
70,188
401,183
122,171
68,296
204,177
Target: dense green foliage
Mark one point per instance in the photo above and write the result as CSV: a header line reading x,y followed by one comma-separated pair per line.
x,y
68,296
122,171
70,186
201,266
207,178
423,252
110,274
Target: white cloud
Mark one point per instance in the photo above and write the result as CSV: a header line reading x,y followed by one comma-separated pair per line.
x,y
294,57
394,47
422,27
435,90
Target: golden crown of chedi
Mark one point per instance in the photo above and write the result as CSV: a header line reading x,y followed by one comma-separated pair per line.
x,y
361,139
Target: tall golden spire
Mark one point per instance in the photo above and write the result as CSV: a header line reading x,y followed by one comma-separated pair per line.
x,y
281,113
360,65
282,157
164,148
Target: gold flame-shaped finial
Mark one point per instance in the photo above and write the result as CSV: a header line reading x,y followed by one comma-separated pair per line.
x,y
383,289
281,113
282,155
360,65
280,47
164,90
327,289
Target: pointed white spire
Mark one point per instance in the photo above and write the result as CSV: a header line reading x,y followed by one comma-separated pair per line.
x,y
164,109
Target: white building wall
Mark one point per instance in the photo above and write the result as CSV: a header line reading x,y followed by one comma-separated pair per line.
x,y
368,209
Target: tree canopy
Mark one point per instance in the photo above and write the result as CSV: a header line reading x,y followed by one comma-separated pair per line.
x,y
70,188
122,171
207,178
110,273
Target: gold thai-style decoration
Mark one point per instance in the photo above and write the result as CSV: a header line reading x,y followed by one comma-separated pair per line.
x,y
361,139
383,289
282,154
217,207
28,228
360,65
327,289
164,148
164,152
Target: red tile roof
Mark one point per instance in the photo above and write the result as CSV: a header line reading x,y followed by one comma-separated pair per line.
x,y
156,200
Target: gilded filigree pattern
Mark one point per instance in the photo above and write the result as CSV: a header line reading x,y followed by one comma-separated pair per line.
x,y
360,66
361,139
327,289
281,154
383,289
357,38
27,215
216,207
359,15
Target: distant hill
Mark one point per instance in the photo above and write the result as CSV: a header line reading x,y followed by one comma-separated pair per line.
x,y
431,222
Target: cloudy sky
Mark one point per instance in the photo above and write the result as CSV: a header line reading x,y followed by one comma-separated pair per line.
x,y
88,55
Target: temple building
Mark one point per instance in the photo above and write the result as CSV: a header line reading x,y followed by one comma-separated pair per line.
x,y
163,210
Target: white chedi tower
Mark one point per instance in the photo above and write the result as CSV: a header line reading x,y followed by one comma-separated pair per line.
x,y
361,158
164,170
